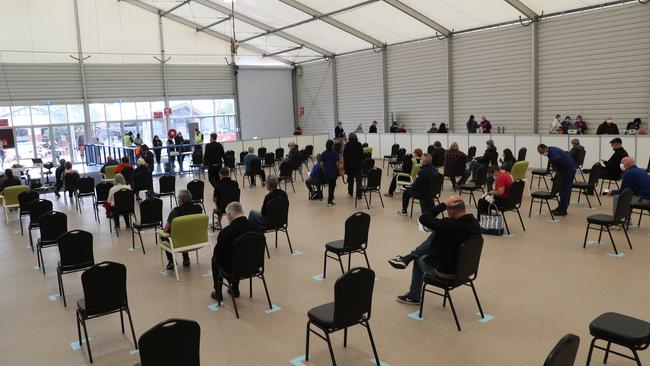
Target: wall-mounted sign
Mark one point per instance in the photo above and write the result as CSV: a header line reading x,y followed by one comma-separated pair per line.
x,y
4,122
168,111
301,111
157,115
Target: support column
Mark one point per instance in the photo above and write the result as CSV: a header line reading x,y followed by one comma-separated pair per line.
x,y
335,95
163,60
294,90
535,81
235,84
88,132
384,86
450,87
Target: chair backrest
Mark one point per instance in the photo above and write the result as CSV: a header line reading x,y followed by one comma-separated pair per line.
x,y
76,248
52,225
86,184
248,254
374,178
261,151
171,342
580,158
228,194
549,165
401,153
167,183
127,173
407,165
102,189
435,185
309,149
229,162
71,181
647,169
481,176
394,149
256,166
516,194
230,153
519,169
565,351
357,227
277,213
196,188
622,210
285,169
109,171
25,198
431,149
151,211
104,286
415,171
11,194
242,155
37,208
471,153
124,200
469,257
459,168
521,155
557,184
269,159
189,230
353,296
366,165
279,153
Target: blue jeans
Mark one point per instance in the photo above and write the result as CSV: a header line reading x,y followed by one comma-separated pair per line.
x,y
420,267
473,168
257,218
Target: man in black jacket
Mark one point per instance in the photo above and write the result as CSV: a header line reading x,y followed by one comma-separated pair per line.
x,y
213,158
613,165
185,207
437,153
258,217
58,176
608,127
225,189
438,254
420,188
222,255
373,127
490,157
352,158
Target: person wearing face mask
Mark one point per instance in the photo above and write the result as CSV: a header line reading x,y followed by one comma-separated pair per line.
x,y
566,124
566,171
635,179
580,125
608,127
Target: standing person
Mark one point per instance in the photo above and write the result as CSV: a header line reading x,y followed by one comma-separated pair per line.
x,y
213,158
329,165
580,125
433,129
566,171
157,143
393,127
171,152
556,125
472,125
198,136
352,158
373,127
128,139
486,126
185,207
178,140
315,181
297,131
359,129
402,128
442,128
58,177
635,179
138,140
338,130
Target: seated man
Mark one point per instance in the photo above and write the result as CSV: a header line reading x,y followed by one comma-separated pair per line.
x,y
58,177
109,162
437,154
576,149
185,207
248,159
222,255
502,182
124,164
315,181
68,170
274,192
490,157
451,157
419,188
438,254
9,181
634,178
612,166
222,186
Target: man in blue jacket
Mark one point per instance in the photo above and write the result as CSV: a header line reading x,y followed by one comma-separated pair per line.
x,y
565,169
420,188
635,179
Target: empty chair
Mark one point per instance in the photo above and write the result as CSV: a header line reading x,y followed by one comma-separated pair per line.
x,y
541,175
151,217
352,305
123,206
248,262
269,162
519,169
75,253
622,330
580,161
227,194
607,221
109,173
71,186
589,185
104,286
279,154
189,233
36,209
397,161
277,219
565,351
229,162
24,199
286,175
469,257
196,188
521,155
101,195
51,225
372,184
640,208
309,152
545,196
167,187
355,240
242,155
86,189
366,165
261,151
393,154
479,184
513,203
11,199
170,343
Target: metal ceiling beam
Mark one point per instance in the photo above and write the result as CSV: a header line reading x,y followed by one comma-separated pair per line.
x,y
265,27
523,9
314,18
175,7
418,16
213,24
195,26
281,52
333,22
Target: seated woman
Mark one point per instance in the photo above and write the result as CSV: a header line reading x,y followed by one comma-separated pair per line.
x,y
500,193
508,160
120,183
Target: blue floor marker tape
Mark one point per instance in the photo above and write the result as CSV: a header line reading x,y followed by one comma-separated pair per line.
x,y
296,252
274,309
318,277
53,297
134,352
415,315
163,272
487,318
616,255
381,363
553,221
76,346
133,250
37,268
593,242
298,361
213,307
207,274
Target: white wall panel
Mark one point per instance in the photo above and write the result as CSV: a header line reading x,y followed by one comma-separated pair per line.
x,y
530,142
386,141
235,146
592,147
461,139
359,89
404,141
606,151
420,141
373,141
642,151
271,144
303,141
314,93
319,143
503,142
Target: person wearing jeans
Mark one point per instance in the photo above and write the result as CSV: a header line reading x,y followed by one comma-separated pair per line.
x,y
635,179
420,187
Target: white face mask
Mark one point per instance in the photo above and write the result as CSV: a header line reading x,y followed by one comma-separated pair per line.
x,y
622,166
609,121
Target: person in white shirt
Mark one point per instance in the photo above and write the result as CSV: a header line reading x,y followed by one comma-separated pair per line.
x,y
120,183
556,125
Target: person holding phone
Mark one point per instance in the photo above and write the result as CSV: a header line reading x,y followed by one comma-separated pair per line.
x,y
635,179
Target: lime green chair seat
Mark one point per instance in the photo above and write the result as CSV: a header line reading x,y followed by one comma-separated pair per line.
x,y
518,170
367,150
109,172
188,233
408,179
10,195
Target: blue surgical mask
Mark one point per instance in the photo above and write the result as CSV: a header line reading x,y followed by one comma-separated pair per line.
x,y
545,153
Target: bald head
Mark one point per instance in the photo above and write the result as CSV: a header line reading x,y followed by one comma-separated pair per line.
x,y
627,162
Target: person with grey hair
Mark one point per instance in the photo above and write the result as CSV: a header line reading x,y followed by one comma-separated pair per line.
x,y
272,184
576,149
185,207
223,253
248,159
118,183
437,256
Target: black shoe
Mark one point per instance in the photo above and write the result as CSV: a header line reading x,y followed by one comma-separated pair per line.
x,y
186,262
406,299
398,262
234,292
558,212
217,297
170,265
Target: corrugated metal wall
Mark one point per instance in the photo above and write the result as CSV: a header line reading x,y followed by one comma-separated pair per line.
x,y
104,81
314,92
359,89
417,84
206,81
595,64
492,76
38,82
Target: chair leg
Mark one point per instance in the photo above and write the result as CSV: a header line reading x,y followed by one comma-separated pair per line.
x,y
266,289
31,241
122,320
128,313
612,239
597,196
90,355
268,254
609,344
627,236
366,257
176,269
307,341
78,327
380,199
480,308
591,350
20,218
503,214
349,260
372,343
325,264
584,243
141,242
530,211
341,263
453,310
62,289
636,357
286,231
345,337
234,302
329,345
521,220
549,210
423,292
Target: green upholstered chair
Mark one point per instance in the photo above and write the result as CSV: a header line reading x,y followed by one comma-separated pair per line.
x,y
109,173
404,179
367,150
189,233
10,195
518,170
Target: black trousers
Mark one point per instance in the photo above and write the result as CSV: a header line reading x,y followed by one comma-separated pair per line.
x,y
314,185
483,206
354,175
331,187
213,174
216,279
393,185
116,217
58,186
157,155
261,174
425,204
170,257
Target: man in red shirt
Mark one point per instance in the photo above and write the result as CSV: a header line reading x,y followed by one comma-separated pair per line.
x,y
502,182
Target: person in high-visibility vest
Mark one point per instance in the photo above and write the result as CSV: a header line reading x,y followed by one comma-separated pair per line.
x,y
198,136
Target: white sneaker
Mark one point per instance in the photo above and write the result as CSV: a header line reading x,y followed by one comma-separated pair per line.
x,y
402,213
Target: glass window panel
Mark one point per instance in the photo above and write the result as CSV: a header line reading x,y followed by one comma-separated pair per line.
x,y
113,112
226,128
143,110
21,116
5,113
159,129
206,126
58,114
128,111
181,108
225,106
78,135
180,125
40,115
108,133
202,108
43,141
61,143
24,142
76,113
97,112
157,107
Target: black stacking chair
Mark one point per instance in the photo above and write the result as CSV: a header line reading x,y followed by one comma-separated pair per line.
x,y
70,185
433,192
397,161
171,342
232,194
309,152
458,170
25,198
36,209
86,189
580,162
151,217
277,219
541,174
393,154
647,169
269,162
229,162
248,262
479,184
255,169
565,351
471,153
101,195
640,208
167,187
104,286
279,154
286,175
355,240
196,188
261,152
406,165
372,184
366,166
76,254
127,173
622,330
123,205
590,185
606,221
544,196
352,305
469,257
143,181
51,225
521,155
242,155
514,202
